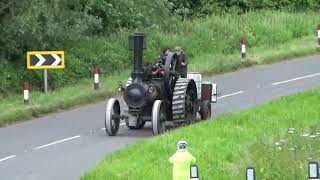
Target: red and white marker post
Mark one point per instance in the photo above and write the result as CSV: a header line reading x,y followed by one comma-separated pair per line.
x,y
243,48
26,93
96,77
318,35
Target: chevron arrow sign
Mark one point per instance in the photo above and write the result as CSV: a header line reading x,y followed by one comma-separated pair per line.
x,y
45,59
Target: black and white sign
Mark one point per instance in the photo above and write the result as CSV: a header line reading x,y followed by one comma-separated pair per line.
x,y
45,59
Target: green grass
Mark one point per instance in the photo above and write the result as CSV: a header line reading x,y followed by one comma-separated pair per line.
x,y
211,43
225,145
217,63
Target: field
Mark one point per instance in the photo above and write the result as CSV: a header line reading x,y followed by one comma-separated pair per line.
x,y
277,138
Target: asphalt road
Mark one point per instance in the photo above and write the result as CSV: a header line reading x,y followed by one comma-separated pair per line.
x,y
65,145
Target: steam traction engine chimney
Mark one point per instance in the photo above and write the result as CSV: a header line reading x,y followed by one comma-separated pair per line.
x,y
137,44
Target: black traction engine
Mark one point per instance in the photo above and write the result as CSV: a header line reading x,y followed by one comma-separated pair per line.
x,y
157,93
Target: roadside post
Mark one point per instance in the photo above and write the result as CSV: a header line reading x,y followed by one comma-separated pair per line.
x,y
250,173
96,77
319,35
313,170
26,93
194,172
45,60
243,48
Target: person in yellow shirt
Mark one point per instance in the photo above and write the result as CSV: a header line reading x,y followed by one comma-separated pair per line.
x,y
182,160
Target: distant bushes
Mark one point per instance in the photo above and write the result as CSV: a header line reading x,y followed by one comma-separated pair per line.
x,y
212,35
66,24
56,24
198,8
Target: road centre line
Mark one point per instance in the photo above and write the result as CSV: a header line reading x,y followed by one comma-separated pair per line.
x,y
224,96
56,142
6,158
295,79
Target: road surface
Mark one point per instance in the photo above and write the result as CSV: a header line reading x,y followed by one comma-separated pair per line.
x,y
65,145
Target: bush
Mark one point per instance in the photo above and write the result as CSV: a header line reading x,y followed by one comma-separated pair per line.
x,y
131,14
208,7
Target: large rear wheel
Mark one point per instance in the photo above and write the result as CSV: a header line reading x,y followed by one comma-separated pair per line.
x,y
159,115
184,101
112,118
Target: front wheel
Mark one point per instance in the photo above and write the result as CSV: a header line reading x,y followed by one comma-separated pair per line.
x,y
158,117
112,117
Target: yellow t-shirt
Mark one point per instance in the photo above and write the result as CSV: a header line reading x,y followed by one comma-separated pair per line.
x,y
182,160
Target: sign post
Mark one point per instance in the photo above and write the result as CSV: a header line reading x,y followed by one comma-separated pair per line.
x,y
45,78
45,60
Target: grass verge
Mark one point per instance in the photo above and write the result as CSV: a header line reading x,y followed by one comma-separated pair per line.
x,y
218,63
12,108
224,147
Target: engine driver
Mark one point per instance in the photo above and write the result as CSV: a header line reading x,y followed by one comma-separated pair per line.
x,y
183,60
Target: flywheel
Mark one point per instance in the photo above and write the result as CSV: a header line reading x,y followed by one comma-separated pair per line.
x,y
171,70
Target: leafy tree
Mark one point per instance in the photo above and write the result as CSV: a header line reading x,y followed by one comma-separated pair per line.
x,y
44,25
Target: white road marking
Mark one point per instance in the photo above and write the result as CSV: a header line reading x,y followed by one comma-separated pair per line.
x,y
295,79
56,142
6,158
228,95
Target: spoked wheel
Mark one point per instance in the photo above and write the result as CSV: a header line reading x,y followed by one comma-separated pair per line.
x,y
112,118
205,110
139,125
171,69
184,101
159,115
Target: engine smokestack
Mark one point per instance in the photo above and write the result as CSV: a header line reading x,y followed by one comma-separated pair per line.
x,y
137,43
